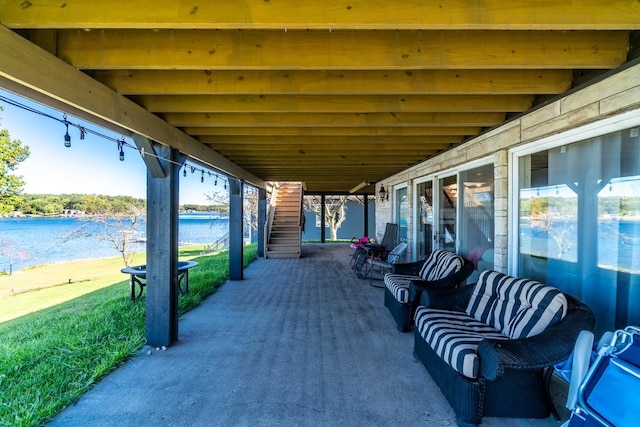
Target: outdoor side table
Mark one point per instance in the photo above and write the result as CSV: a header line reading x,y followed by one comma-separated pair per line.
x,y
138,279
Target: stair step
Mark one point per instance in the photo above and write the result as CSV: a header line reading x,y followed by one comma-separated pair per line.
x,y
284,240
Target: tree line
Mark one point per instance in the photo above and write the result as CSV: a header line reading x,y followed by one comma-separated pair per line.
x,y
91,204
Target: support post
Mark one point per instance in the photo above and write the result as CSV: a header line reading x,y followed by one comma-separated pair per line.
x,y
366,215
262,219
162,247
323,210
236,258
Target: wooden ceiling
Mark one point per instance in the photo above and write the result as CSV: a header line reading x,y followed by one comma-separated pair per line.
x,y
331,93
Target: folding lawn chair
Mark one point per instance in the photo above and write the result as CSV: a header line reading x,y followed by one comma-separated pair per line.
x,y
608,395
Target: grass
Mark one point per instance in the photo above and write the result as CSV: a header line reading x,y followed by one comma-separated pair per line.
x,y
49,357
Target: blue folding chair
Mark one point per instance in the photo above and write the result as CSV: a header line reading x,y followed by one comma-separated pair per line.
x,y
608,393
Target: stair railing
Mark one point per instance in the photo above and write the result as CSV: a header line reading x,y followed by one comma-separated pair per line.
x,y
219,245
271,210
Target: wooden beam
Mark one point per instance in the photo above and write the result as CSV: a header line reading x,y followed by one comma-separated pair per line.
x,y
333,119
318,131
378,147
152,162
39,72
354,160
341,50
332,104
339,82
345,140
374,148
320,14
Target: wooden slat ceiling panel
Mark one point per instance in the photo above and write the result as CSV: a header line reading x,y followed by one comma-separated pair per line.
x,y
331,93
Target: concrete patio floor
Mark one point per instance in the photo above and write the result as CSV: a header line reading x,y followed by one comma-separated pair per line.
x,y
298,342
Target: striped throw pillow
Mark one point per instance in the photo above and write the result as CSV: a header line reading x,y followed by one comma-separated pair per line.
x,y
440,264
515,306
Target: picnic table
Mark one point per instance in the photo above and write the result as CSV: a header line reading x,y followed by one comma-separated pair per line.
x,y
138,279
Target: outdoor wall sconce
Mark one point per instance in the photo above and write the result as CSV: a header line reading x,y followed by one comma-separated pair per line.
x,y
383,193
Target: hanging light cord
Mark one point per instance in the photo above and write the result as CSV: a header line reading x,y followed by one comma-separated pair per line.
x,y
121,143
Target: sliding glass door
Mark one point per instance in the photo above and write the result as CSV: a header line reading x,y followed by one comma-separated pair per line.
x,y
447,213
425,218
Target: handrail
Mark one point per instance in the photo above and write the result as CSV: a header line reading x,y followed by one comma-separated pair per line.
x,y
220,244
270,213
301,218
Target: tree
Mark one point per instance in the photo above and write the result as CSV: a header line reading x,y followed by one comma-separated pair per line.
x,y
12,153
220,203
335,210
118,228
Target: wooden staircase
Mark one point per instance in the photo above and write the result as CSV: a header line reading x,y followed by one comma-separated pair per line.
x,y
285,226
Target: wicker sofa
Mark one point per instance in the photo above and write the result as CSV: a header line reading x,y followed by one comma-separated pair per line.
x,y
487,345
442,269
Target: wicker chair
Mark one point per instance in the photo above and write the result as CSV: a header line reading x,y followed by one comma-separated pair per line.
x,y
509,381
442,269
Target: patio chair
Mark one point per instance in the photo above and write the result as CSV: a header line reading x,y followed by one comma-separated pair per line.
x,y
382,264
378,250
441,270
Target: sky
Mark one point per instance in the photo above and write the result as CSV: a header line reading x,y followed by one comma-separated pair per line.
x,y
89,166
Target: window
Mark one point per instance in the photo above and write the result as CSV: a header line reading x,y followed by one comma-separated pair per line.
x,y
402,212
579,223
476,227
424,227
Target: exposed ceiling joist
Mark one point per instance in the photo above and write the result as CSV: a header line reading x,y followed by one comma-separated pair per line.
x,y
340,82
339,50
322,14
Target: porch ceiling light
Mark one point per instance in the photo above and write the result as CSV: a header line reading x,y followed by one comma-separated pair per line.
x,y
383,193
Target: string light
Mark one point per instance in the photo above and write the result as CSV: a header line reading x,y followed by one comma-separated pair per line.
x,y
121,143
120,147
67,137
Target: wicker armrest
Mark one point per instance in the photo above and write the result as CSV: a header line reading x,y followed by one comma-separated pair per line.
x,y
543,350
455,299
451,281
408,268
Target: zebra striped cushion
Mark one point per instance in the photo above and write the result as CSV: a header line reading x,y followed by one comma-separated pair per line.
x,y
454,337
398,285
516,307
440,264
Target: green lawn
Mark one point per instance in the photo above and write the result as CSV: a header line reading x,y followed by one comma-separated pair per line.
x,y
64,336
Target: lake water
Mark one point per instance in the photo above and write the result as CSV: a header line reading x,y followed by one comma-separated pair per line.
x,y
33,241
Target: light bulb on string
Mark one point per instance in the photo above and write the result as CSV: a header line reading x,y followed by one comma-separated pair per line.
x,y
184,170
216,181
67,137
202,176
121,148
